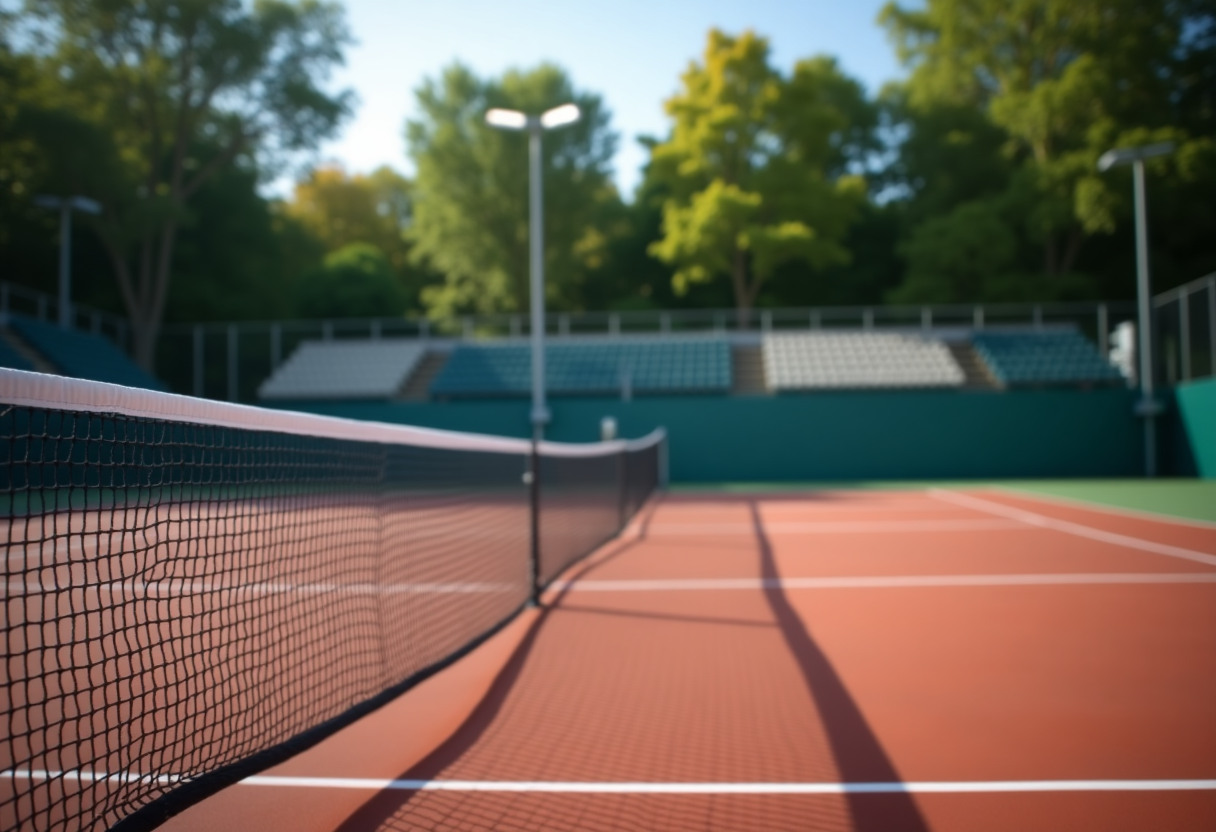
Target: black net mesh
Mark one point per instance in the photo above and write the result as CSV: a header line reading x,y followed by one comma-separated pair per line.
x,y
585,501
185,604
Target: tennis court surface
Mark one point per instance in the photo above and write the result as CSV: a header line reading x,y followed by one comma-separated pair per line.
x,y
926,659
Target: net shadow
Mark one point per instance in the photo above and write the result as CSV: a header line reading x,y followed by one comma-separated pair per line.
x,y
381,810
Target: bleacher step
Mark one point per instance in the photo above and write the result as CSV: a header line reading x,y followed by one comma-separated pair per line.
x,y
19,346
747,373
417,387
976,372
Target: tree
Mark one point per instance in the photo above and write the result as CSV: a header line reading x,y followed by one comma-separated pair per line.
x,y
471,191
357,280
1063,81
184,89
755,167
340,209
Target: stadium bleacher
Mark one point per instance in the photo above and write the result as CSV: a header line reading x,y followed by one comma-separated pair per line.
x,y
375,369
82,355
645,365
12,359
852,360
1033,358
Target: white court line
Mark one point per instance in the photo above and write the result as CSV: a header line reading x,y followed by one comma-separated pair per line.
x,y
550,787
578,787
1032,519
888,581
1073,502
836,527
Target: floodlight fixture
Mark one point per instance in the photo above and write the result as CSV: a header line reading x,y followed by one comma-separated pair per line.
x,y
560,116
536,126
1148,408
1128,155
65,205
506,119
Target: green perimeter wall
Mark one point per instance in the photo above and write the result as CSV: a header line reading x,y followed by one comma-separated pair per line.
x,y
831,436
1197,407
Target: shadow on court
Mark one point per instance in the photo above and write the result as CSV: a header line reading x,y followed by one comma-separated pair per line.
x,y
379,811
859,755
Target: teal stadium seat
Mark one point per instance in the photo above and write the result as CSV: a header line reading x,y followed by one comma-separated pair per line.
x,y
676,365
12,359
82,355
1030,358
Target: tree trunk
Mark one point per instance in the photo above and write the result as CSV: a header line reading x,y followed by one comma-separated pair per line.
x,y
1075,239
743,298
144,294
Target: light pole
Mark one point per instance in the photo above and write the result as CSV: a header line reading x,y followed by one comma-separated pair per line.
x,y
65,206
536,125
1147,408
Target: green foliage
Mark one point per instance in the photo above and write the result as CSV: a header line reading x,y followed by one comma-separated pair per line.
x,y
754,165
471,191
180,90
357,281
238,258
975,180
1008,107
337,209
954,255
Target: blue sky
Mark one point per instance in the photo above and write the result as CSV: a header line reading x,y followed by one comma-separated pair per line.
x,y
629,51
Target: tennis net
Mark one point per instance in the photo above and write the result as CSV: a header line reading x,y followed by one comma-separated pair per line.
x,y
194,591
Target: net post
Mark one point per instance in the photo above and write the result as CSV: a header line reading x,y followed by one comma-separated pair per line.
x,y
534,487
622,488
664,463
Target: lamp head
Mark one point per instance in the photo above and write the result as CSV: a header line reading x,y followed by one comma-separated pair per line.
x,y
83,203
560,116
1127,155
506,119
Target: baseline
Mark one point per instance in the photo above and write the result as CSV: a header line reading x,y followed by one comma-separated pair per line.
x,y
578,787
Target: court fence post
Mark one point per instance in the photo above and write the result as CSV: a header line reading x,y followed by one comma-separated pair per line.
x,y
1212,326
1103,331
1184,332
233,380
198,361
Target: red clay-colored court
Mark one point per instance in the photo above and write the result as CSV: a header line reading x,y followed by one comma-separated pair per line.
x,y
918,660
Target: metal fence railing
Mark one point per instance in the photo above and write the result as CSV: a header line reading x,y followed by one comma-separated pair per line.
x,y
230,360
21,300
1185,330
